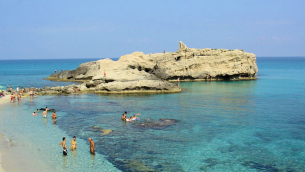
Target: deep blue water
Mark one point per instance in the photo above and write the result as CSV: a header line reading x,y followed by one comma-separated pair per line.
x,y
222,126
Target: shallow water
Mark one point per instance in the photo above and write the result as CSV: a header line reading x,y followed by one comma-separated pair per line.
x,y
223,126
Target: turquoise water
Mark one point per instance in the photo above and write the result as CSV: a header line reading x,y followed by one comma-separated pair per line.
x,y
29,73
223,126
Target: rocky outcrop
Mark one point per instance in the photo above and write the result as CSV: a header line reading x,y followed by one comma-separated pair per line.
x,y
139,72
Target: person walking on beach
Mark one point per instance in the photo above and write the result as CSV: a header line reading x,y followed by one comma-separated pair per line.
x,y
21,91
104,73
17,89
63,144
73,143
92,149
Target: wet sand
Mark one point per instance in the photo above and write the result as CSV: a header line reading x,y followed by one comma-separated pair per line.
x,y
3,145
3,142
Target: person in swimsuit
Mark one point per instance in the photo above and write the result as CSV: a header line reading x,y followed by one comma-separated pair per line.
x,y
31,93
21,91
123,117
134,118
54,114
12,98
73,143
63,144
19,97
44,113
129,119
92,149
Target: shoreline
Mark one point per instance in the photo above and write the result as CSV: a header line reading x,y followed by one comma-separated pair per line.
x,y
5,99
15,149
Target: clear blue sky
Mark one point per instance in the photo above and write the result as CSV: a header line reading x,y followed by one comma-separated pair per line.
x,y
38,29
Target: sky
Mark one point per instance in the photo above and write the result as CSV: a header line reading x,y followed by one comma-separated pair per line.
x,y
99,29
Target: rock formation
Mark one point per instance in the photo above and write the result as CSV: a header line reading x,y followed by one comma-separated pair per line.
x,y
139,72
160,124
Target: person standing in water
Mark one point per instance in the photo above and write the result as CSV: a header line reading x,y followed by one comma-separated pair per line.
x,y
92,149
44,113
63,144
19,97
178,80
73,143
54,114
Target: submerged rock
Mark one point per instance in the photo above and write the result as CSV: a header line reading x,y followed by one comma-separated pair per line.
x,y
106,131
160,124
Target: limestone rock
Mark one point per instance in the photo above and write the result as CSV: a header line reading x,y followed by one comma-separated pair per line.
x,y
139,72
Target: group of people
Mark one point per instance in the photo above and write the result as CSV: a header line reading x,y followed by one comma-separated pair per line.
x,y
74,145
18,93
45,113
132,118
13,97
63,143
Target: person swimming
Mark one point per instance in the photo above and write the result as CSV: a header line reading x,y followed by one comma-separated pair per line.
x,y
134,118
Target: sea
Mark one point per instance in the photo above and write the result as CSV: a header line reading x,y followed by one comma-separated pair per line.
x,y
252,126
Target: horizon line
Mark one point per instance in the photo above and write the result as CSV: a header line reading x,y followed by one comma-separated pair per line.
x,y
120,57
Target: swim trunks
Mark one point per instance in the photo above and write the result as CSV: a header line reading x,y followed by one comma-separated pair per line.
x,y
44,116
65,152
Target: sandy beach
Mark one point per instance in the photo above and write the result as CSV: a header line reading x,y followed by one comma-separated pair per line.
x,y
5,99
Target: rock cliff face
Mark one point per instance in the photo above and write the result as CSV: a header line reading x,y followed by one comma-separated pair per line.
x,y
139,72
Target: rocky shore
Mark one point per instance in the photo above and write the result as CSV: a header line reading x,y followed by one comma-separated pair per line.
x,y
139,72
